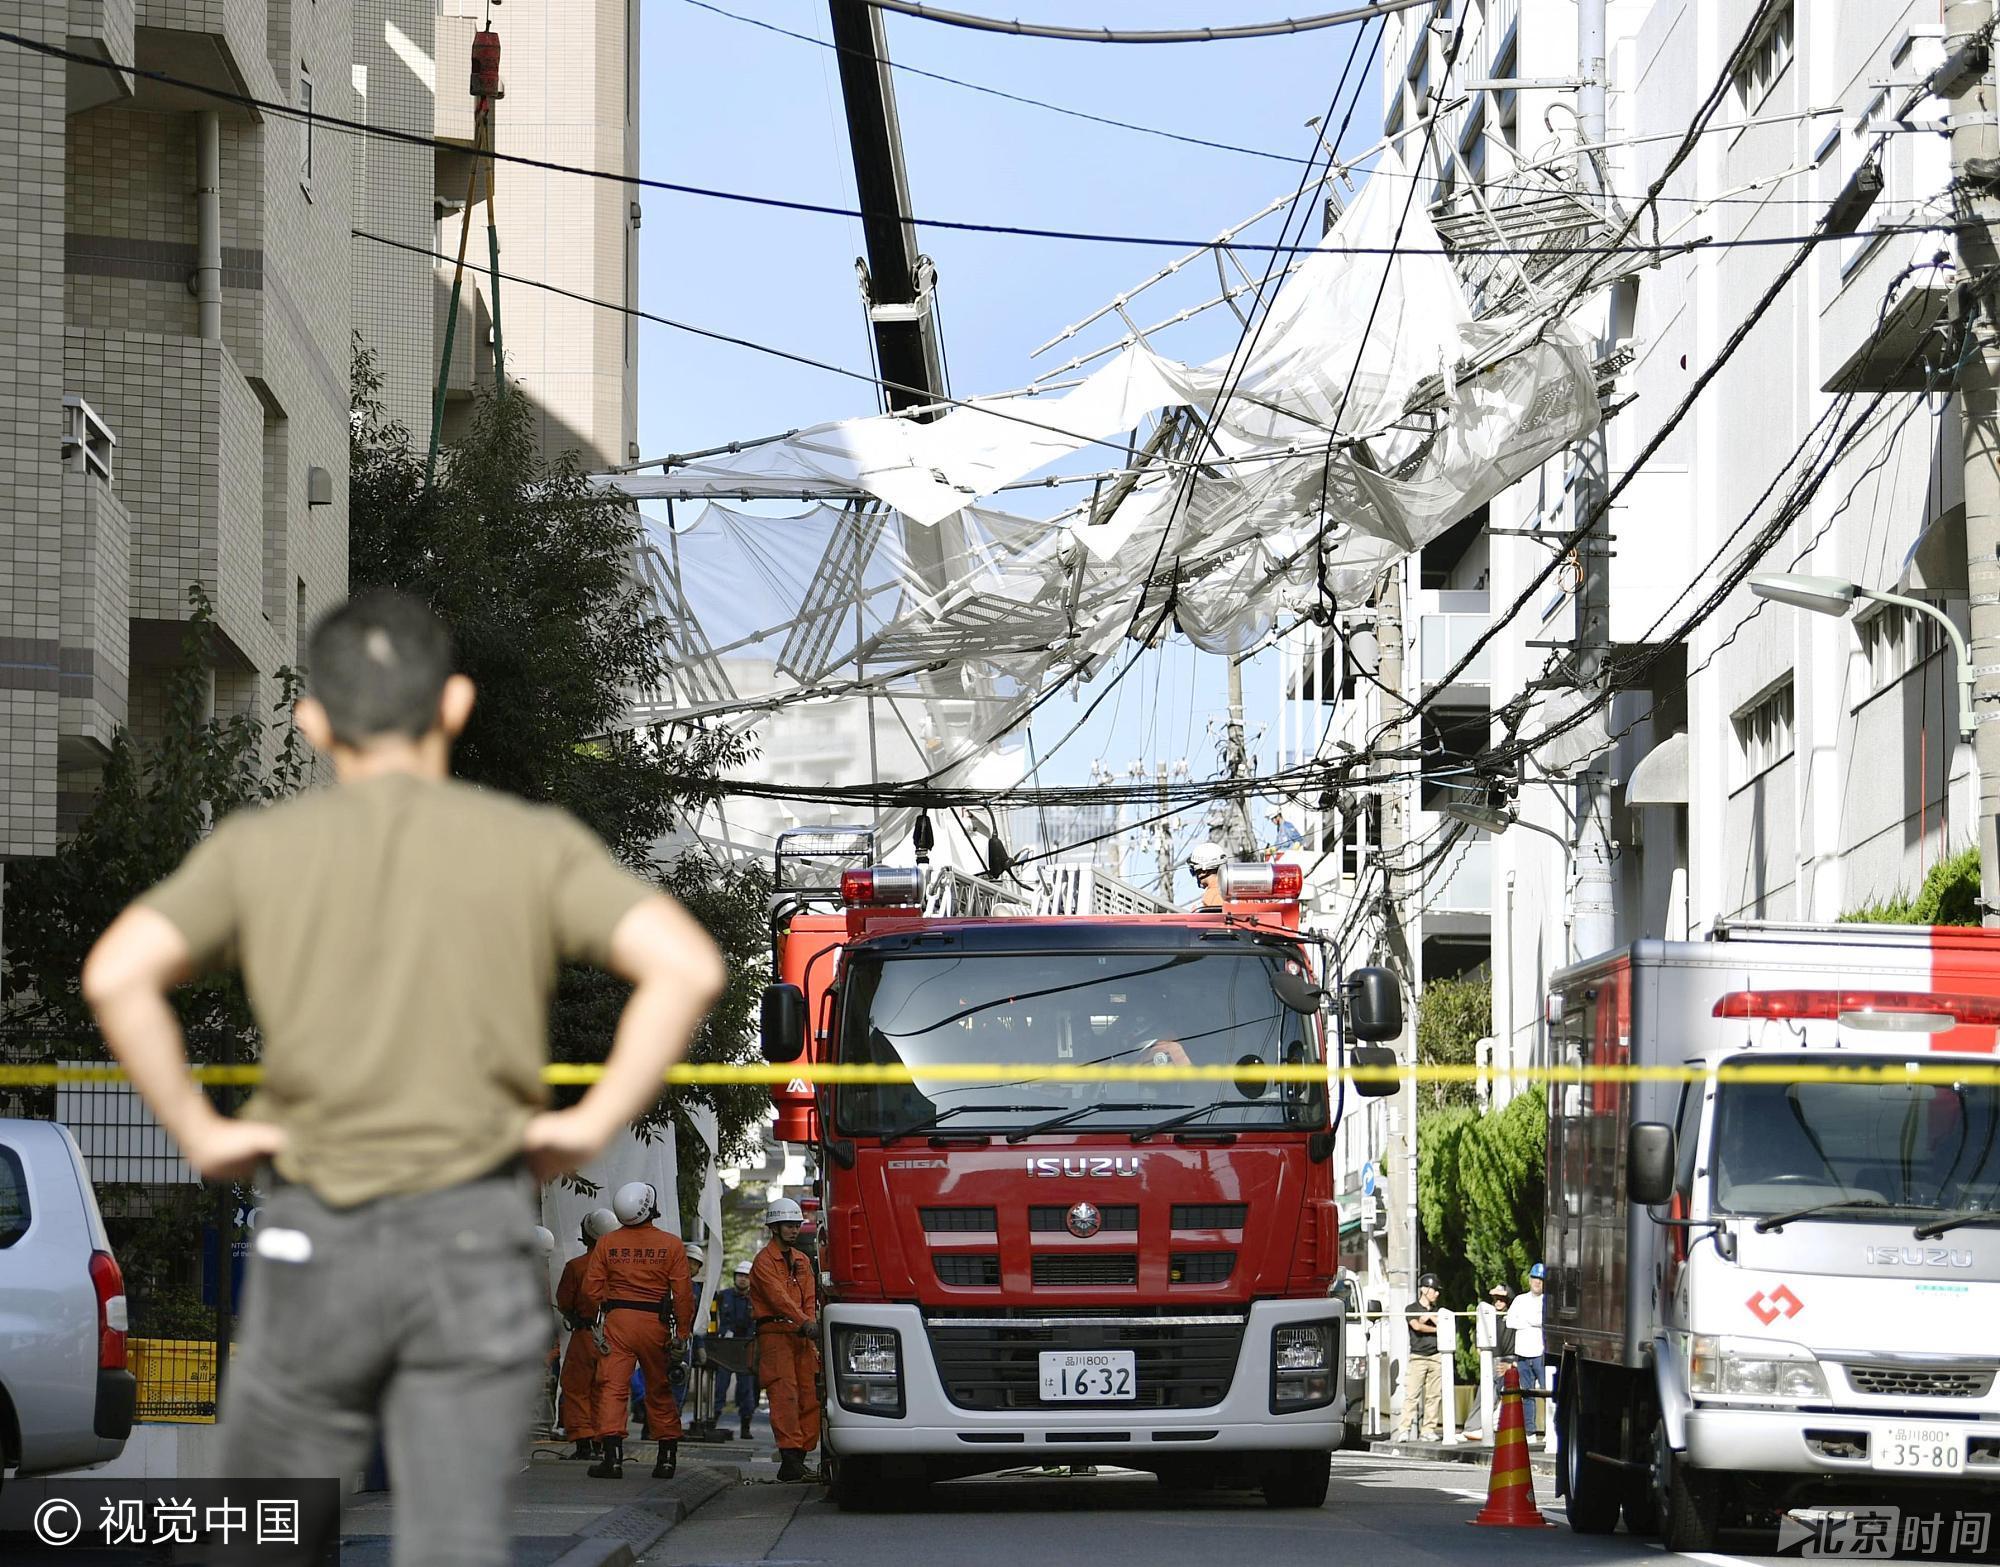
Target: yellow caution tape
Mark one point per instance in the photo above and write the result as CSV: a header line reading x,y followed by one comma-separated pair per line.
x,y
573,1074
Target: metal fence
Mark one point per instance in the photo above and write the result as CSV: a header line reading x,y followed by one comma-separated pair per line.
x,y
176,1379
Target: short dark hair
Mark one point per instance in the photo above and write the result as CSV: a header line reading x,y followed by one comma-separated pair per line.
x,y
378,665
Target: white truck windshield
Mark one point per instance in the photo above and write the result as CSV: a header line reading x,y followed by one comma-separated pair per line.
x,y
1864,1146
1030,1011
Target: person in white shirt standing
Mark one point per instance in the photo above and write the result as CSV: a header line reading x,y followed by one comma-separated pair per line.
x,y
1524,1316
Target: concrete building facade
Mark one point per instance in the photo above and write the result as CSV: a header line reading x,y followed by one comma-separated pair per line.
x,y
183,277
176,368
1769,763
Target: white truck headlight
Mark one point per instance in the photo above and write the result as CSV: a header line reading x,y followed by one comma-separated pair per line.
x,y
868,1352
1721,1366
868,1370
1302,1364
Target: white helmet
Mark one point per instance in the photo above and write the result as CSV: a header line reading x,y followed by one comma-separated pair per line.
x,y
546,1240
784,1211
697,1258
636,1203
742,1267
1204,857
599,1222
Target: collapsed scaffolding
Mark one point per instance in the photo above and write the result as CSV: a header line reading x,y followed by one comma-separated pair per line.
x,y
1392,384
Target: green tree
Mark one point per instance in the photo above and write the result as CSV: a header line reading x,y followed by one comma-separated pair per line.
x,y
530,563
1949,896
155,800
1453,1015
1481,1180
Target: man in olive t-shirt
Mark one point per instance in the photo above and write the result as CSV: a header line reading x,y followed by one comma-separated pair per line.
x,y
398,935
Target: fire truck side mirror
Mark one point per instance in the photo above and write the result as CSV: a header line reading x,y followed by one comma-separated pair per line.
x,y
1649,1162
1295,992
1374,1005
1379,1057
784,1023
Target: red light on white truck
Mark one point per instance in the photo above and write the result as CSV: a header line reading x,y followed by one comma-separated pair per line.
x,y
1266,883
1892,1011
883,886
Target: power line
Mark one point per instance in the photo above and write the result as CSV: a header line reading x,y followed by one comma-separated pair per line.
x,y
1499,184
999,92
953,225
1178,35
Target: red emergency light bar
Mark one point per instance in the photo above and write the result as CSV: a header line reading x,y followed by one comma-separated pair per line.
x,y
883,886
1856,1006
1266,882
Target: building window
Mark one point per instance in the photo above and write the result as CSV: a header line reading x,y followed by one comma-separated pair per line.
x,y
306,104
1764,732
1895,641
1767,61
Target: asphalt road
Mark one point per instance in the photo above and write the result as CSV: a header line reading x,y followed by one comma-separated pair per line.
x,y
1380,1513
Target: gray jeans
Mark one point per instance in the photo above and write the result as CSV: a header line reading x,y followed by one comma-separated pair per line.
x,y
423,1317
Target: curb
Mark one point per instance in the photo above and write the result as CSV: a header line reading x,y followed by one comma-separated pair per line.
x,y
1459,1453
617,1537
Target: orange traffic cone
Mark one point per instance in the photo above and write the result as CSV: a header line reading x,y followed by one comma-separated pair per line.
x,y
1510,1496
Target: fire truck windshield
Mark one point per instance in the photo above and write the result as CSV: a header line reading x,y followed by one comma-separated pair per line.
x,y
1022,1013
1854,1149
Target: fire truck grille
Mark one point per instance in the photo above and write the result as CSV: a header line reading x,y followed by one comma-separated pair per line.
x,y
1202,1267
1086,1267
967,1269
1181,1364
1114,1218
1886,1381
959,1221
1210,1215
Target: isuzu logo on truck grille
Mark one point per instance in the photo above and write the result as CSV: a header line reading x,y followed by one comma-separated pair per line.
x,y
1085,1221
1917,1256
1093,1164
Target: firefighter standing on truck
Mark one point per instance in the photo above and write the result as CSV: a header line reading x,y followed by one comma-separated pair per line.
x,y
578,1411
637,1280
784,1302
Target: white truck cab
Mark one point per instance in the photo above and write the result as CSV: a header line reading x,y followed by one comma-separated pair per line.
x,y
1775,1283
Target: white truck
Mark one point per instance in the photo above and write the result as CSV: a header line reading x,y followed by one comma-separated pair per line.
x,y
1769,1289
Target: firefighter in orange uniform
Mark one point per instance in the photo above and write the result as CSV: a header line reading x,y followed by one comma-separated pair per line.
x,y
579,1366
636,1283
784,1303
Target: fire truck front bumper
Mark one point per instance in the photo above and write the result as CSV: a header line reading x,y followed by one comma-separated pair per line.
x,y
1149,1385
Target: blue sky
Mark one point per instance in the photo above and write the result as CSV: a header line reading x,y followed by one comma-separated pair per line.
x,y
729,105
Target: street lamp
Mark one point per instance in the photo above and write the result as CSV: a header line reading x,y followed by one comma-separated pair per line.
x,y
1835,596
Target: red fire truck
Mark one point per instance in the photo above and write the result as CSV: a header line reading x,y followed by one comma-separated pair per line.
x,y
1025,1268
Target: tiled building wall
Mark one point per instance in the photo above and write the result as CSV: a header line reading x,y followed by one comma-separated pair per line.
x,y
394,40
566,65
96,606
32,138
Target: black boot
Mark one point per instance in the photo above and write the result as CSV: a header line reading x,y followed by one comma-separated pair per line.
x,y
745,1427
791,1464
585,1448
612,1465
668,1461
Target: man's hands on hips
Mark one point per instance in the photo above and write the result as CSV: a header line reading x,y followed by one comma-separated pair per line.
x,y
558,1142
220,1149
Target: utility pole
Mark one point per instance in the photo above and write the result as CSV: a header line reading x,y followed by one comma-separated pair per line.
x,y
1594,929
1236,752
1163,838
1400,1166
1975,160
